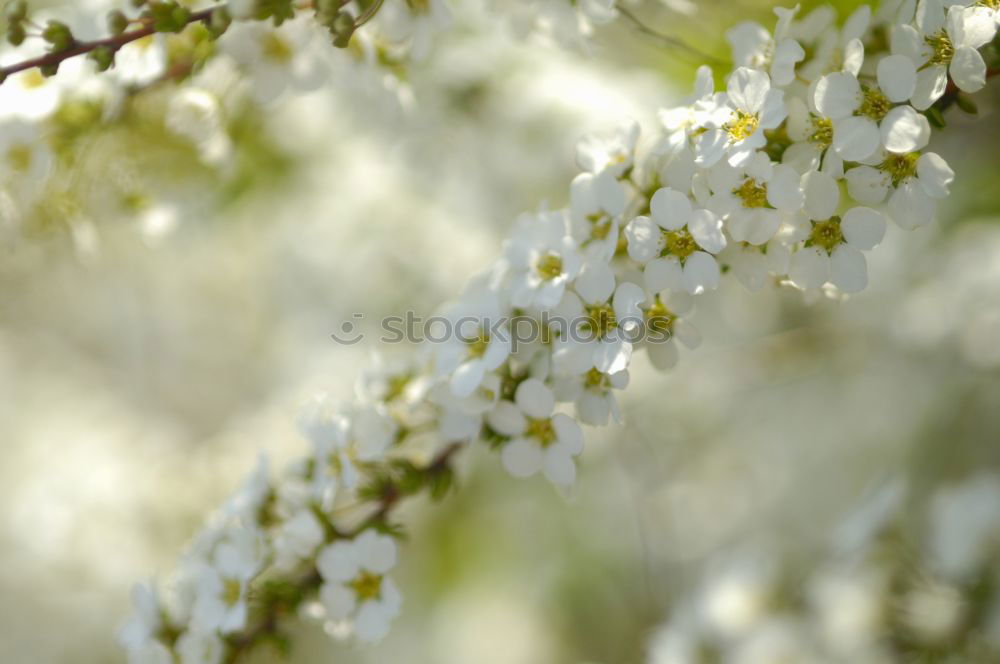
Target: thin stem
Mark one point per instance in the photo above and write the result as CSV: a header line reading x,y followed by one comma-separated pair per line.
x,y
83,47
672,41
369,14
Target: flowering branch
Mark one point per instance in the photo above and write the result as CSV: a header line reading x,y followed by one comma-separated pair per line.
x,y
749,182
50,62
277,604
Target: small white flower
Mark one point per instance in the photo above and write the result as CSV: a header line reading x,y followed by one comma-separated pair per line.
x,y
540,440
24,154
541,259
664,327
592,324
863,117
221,601
676,244
753,47
613,152
146,620
912,182
471,348
833,245
355,584
296,539
753,201
951,46
278,59
593,395
342,436
737,126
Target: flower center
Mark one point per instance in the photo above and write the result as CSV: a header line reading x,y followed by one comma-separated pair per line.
x,y
19,157
752,193
826,234
943,49
32,79
600,228
659,318
601,319
900,166
367,585
549,266
397,385
990,4
541,430
874,104
822,134
679,243
477,347
595,379
275,48
232,590
742,126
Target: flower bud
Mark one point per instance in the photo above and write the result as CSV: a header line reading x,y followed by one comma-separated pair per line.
x,y
342,28
15,34
58,35
117,22
16,11
219,21
103,57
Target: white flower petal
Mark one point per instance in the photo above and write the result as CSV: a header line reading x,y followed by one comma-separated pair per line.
x,y
506,419
897,77
867,185
337,562
467,378
809,267
863,227
521,457
784,190
534,398
706,229
837,95
568,433
968,69
848,269
701,273
376,552
855,138
338,600
670,209
904,130
909,206
931,84
822,195
934,174
645,241
559,468
747,88
664,273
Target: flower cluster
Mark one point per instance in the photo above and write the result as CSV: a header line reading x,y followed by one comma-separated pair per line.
x,y
873,599
788,174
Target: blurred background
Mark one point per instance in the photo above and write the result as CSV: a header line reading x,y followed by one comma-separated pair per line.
x,y
165,308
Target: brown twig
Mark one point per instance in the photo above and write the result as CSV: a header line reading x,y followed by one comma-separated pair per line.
x,y
83,47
